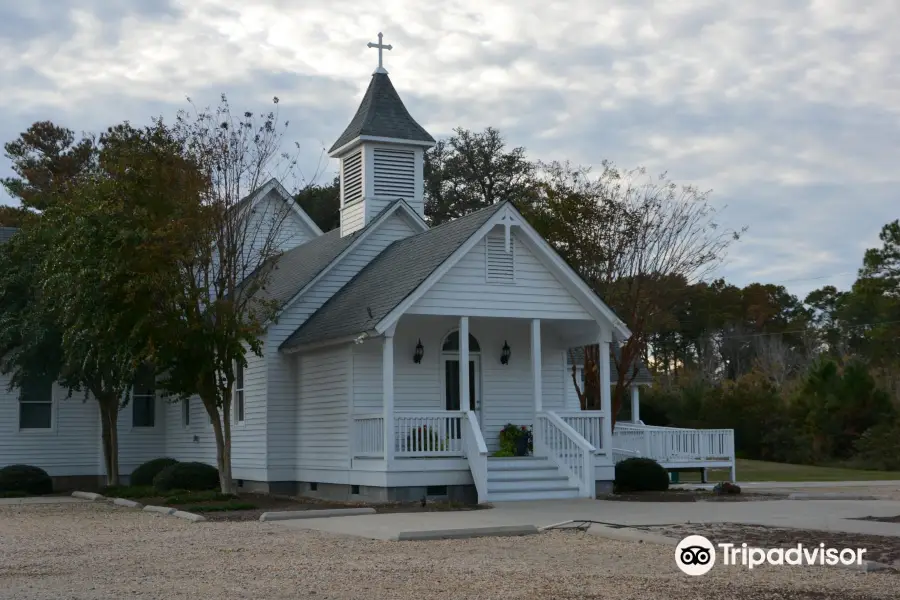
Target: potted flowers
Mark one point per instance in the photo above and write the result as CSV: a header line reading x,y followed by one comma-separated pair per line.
x,y
515,440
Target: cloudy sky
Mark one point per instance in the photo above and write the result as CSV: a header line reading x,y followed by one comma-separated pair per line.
x,y
788,110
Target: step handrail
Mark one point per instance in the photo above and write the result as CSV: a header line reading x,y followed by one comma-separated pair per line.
x,y
476,454
574,455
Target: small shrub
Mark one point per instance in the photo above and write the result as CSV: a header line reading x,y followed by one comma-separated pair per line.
x,y
191,476
202,508
641,475
129,491
25,478
184,497
144,474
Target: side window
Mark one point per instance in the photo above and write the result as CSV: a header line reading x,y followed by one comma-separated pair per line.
x,y
239,393
36,405
186,413
143,398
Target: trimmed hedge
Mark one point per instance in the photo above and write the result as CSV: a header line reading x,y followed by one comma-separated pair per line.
x,y
191,476
25,478
144,474
641,475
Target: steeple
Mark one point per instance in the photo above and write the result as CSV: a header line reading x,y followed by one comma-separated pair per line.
x,y
381,153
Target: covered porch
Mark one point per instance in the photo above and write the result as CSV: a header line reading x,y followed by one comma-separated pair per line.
x,y
430,414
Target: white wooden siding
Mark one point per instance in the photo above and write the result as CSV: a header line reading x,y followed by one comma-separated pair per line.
x,y
180,440
536,293
284,418
323,409
248,439
137,445
71,447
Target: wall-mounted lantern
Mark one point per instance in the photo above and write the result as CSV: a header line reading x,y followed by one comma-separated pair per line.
x,y
419,353
504,354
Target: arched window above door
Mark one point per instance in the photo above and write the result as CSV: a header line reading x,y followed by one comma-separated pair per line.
x,y
451,343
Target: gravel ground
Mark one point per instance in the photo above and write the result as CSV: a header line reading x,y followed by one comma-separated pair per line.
x,y
88,551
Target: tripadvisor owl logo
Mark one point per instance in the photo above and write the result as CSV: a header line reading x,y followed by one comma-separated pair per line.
x,y
695,555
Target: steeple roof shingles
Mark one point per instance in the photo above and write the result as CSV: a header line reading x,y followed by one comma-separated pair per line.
x,y
382,114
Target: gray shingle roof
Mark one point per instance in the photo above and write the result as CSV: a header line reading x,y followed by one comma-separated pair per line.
x,y
298,266
386,281
643,375
6,233
381,113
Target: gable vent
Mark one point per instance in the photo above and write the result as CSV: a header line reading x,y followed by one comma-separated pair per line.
x,y
352,184
395,173
500,263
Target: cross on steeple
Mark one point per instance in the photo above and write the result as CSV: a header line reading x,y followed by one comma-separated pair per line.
x,y
380,47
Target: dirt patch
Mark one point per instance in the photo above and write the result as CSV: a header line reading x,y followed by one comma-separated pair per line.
x,y
687,496
880,548
881,519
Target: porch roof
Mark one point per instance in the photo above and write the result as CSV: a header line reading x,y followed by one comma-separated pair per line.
x,y
386,281
643,376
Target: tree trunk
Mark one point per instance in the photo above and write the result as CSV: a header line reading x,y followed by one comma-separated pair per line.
x,y
222,433
108,416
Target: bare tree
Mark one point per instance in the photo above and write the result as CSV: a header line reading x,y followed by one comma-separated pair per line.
x,y
225,247
653,238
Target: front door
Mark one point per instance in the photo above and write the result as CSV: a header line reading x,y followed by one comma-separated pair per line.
x,y
452,394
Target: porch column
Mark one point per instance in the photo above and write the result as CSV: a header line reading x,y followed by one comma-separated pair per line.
x,y
536,364
605,390
464,364
387,386
635,403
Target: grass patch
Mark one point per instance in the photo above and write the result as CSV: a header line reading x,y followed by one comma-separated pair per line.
x,y
188,497
758,470
14,494
129,491
226,506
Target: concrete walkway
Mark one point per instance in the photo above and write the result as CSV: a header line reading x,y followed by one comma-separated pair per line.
x,y
823,515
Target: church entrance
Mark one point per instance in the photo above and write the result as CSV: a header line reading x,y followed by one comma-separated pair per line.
x,y
450,370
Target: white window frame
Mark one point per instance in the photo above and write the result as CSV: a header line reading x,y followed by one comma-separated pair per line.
x,y
238,397
37,430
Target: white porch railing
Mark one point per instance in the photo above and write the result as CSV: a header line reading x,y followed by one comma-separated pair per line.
x,y
428,434
476,453
573,454
671,445
588,423
368,435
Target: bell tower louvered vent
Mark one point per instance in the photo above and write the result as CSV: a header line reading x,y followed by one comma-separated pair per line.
x,y
395,173
352,178
500,265
382,155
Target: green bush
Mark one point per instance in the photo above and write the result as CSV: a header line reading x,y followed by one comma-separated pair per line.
x,y
191,476
144,474
25,478
641,475
879,447
13,494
